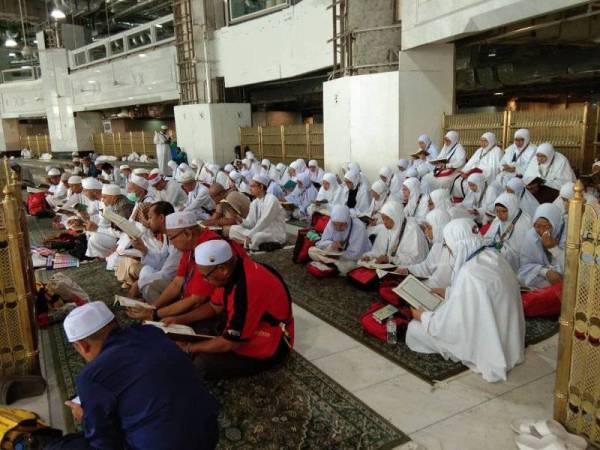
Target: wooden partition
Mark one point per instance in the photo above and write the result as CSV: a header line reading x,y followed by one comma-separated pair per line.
x,y
285,143
38,144
123,144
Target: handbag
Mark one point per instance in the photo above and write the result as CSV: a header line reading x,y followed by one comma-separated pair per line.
x,y
321,270
542,302
379,330
363,278
319,222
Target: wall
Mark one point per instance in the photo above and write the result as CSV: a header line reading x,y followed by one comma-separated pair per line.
x,y
126,81
361,121
426,79
274,118
9,134
284,44
210,131
433,21
22,99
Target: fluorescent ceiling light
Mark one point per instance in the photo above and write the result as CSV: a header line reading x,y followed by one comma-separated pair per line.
x,y
12,54
491,54
158,25
25,67
10,42
498,93
57,14
35,41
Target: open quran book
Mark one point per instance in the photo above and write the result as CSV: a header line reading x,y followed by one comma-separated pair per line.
x,y
371,264
417,294
179,332
131,303
127,226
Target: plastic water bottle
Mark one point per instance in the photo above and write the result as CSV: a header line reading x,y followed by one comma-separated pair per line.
x,y
391,332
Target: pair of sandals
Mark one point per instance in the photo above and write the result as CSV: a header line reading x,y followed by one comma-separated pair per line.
x,y
545,435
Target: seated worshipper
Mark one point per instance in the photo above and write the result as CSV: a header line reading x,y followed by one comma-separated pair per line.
x,y
356,194
379,195
230,210
566,193
137,389
141,172
479,199
436,268
57,191
284,175
542,249
315,172
265,168
427,147
551,166
420,161
452,157
398,177
440,199
107,173
158,265
254,164
25,153
415,203
527,202
168,191
516,158
173,165
124,176
386,175
355,167
329,195
102,236
486,159
480,322
181,169
265,225
276,190
137,192
92,194
537,188
303,195
508,230
238,182
250,312
89,169
222,178
75,192
198,201
187,289
398,240
345,234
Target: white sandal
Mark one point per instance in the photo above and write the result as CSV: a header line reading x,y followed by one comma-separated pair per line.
x,y
544,428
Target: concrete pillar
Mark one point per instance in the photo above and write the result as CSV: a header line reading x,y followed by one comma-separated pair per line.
x,y
211,131
360,117
426,92
9,134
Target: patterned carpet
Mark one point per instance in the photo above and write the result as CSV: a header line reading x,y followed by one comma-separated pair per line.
x,y
310,410
340,304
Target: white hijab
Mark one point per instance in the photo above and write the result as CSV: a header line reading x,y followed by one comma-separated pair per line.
x,y
437,219
463,239
414,186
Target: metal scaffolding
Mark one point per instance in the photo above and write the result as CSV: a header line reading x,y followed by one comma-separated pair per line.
x,y
186,55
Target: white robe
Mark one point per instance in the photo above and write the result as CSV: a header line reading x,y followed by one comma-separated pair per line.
x,y
480,323
456,159
363,200
199,202
173,194
436,268
163,152
520,160
158,264
479,201
486,160
534,262
511,246
412,248
265,223
555,173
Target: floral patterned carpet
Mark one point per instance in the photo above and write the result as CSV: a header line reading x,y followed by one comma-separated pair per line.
x,y
309,409
338,303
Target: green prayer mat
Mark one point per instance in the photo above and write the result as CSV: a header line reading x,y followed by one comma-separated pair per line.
x,y
338,303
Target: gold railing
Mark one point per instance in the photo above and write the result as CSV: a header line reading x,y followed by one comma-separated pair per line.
x,y
285,143
122,144
577,390
18,345
571,131
38,144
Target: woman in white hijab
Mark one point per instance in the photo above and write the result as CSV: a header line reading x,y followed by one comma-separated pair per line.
x,y
379,195
542,251
398,177
355,167
527,202
284,176
398,240
551,166
424,143
440,199
508,230
416,204
265,167
315,172
303,195
343,234
567,191
330,194
516,157
436,267
444,174
479,199
481,321
356,194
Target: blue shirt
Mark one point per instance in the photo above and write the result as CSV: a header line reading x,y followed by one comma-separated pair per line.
x,y
142,392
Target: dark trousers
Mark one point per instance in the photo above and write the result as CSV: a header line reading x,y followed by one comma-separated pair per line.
x,y
217,366
75,441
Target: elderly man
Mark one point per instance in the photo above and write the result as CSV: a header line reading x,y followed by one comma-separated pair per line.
x,y
102,237
159,265
137,389
137,192
265,224
168,190
198,201
256,307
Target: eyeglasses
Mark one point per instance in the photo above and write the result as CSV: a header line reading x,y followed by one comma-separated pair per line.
x,y
206,276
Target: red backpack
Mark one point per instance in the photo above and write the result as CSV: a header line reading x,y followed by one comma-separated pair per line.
x,y
36,203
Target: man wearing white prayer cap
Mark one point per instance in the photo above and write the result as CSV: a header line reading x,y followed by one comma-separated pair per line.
x,y
265,224
141,172
138,193
167,190
124,176
57,191
198,200
126,397
259,332
75,193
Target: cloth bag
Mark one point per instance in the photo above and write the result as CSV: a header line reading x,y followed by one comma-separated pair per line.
x,y
544,302
37,205
379,330
363,278
316,271
63,286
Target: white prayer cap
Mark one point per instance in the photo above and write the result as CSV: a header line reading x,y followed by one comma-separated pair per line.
x,y
261,179
250,155
53,172
182,219
228,168
172,164
111,189
124,167
74,179
154,179
313,163
140,171
164,127
339,213
281,167
155,171
246,162
91,183
139,181
186,176
86,320
213,253
235,175
265,162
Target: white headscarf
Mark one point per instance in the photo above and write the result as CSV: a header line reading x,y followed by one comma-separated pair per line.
x,y
553,215
334,188
395,211
425,140
524,134
414,186
437,219
380,188
548,151
441,199
453,137
491,139
463,239
387,173
353,177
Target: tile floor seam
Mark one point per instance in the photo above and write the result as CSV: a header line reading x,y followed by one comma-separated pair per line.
x,y
412,433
